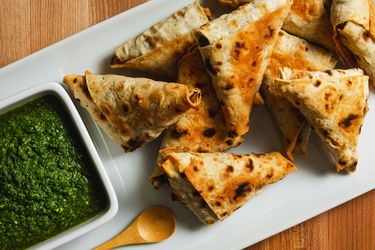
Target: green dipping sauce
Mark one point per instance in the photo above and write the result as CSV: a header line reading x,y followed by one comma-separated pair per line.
x,y
47,183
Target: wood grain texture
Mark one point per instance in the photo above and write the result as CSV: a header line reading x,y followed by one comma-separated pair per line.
x,y
30,25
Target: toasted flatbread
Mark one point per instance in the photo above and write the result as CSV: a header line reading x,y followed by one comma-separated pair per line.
x,y
296,53
234,3
225,181
334,103
78,86
137,109
307,19
236,49
353,23
158,49
201,129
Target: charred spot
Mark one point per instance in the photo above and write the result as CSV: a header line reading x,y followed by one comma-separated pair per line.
x,y
210,188
224,214
180,13
196,169
229,142
102,117
211,113
348,121
135,143
329,72
137,98
251,79
241,190
75,80
219,63
230,169
177,134
317,83
343,162
218,46
203,41
218,204
326,106
232,134
209,132
270,175
236,54
349,82
238,45
327,96
250,165
125,108
306,49
200,85
209,67
366,35
271,31
341,97
254,63
228,86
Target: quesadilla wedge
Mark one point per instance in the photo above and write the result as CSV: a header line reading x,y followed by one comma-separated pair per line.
x,y
225,181
157,49
295,53
137,109
201,129
335,105
236,49
354,33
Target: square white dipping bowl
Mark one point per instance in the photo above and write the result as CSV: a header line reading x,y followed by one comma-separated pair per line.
x,y
110,211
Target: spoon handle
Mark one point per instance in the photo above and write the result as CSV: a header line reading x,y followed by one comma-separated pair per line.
x,y
127,237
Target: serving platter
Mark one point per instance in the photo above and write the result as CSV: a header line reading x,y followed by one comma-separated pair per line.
x,y
313,189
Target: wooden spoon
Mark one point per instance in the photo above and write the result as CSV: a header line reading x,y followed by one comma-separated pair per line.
x,y
153,225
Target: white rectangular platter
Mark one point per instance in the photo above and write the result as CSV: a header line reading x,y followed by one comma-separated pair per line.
x,y
313,189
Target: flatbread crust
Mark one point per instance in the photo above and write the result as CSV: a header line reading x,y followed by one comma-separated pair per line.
x,y
78,86
295,53
236,49
157,49
334,103
353,23
226,181
234,3
307,19
201,129
134,110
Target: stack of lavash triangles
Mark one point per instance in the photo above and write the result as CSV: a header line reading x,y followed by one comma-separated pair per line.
x,y
217,68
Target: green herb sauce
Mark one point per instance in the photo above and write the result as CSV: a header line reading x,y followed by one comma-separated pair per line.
x,y
46,183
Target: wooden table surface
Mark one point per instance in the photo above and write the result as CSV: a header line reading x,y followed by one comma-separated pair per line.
x,y
27,26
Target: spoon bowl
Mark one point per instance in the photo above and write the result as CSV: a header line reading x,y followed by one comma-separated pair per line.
x,y
153,225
